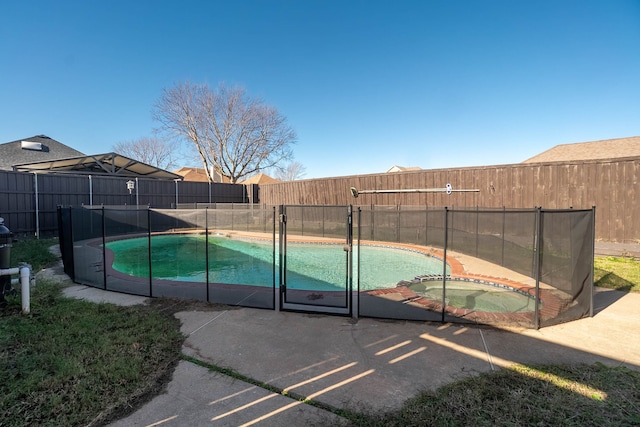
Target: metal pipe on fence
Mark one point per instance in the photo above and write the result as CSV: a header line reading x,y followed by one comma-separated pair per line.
x,y
448,189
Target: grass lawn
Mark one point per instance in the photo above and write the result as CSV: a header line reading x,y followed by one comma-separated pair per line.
x,y
621,273
526,396
73,363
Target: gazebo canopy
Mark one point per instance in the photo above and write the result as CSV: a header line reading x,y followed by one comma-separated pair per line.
x,y
111,164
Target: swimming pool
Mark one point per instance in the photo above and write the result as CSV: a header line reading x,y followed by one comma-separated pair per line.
x,y
402,274
310,266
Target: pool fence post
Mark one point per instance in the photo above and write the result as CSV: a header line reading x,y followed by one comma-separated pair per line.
x,y
282,219
504,221
538,260
444,268
67,237
90,191
397,223
534,240
206,247
276,301
104,247
426,225
356,293
176,181
373,224
37,206
149,240
477,228
349,293
593,256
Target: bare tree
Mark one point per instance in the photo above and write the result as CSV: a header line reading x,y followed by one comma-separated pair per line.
x,y
150,150
234,135
293,171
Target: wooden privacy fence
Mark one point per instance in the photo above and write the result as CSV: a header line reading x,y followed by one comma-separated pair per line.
x,y
28,202
611,186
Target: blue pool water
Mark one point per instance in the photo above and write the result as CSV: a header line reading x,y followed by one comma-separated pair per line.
x,y
314,266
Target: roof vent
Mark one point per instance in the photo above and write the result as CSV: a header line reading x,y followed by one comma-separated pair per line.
x,y
28,145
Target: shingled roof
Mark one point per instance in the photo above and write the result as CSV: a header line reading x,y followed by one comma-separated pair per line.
x,y
198,175
595,150
396,168
38,148
260,178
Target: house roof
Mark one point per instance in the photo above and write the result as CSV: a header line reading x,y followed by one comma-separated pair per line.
x,y
595,150
34,149
260,179
98,164
193,174
198,175
396,168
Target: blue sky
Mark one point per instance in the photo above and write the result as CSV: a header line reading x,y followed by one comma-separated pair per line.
x,y
365,84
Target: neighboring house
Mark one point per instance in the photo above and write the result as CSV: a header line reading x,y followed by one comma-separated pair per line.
x,y
595,150
396,168
260,179
39,148
199,175
192,174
